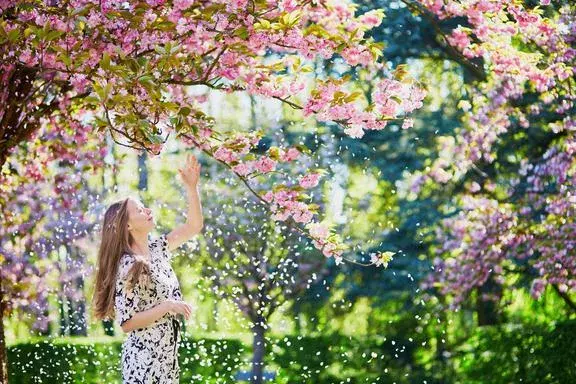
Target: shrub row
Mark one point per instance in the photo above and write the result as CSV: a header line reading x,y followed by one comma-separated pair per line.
x,y
503,354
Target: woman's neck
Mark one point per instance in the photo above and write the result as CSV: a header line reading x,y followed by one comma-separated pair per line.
x,y
140,244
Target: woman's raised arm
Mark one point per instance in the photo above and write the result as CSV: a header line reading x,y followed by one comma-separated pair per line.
x,y
194,221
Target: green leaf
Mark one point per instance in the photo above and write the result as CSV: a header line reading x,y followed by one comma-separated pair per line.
x,y
146,80
156,139
81,11
133,65
13,35
165,25
105,61
352,97
91,100
28,31
184,111
304,149
241,32
53,35
262,24
65,59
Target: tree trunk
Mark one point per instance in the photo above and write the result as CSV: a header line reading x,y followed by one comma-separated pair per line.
x,y
108,326
63,309
3,354
77,312
142,172
115,168
258,352
441,339
17,86
48,331
487,310
78,315
63,301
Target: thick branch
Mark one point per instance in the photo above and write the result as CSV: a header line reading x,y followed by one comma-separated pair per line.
x,y
453,52
565,297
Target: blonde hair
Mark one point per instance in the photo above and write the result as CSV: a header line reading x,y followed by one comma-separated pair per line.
x,y
116,241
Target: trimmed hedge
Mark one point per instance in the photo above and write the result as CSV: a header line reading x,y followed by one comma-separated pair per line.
x,y
85,361
341,359
519,354
294,359
496,355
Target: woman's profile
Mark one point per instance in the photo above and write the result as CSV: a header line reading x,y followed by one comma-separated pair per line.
x,y
136,285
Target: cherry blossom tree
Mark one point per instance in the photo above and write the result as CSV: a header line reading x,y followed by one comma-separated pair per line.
x,y
130,65
512,163
45,199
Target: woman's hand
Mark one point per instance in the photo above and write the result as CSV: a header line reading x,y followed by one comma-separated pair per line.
x,y
178,307
191,172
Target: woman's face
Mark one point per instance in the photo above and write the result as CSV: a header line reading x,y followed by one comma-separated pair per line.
x,y
140,218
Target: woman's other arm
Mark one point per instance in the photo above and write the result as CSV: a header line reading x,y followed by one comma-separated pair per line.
x,y
145,318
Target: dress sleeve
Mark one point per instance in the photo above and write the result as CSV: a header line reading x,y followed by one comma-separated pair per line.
x,y
160,245
126,300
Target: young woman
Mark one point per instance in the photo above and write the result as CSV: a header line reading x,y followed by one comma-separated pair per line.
x,y
136,284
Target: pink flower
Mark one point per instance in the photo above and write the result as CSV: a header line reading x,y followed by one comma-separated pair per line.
x,y
309,181
79,82
372,18
289,5
381,259
537,289
354,131
329,250
290,154
242,169
303,216
265,164
182,4
356,55
268,196
281,216
230,73
284,195
407,123
318,231
389,108
459,39
474,187
225,155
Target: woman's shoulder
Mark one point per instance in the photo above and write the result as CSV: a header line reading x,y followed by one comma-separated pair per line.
x,y
124,264
159,243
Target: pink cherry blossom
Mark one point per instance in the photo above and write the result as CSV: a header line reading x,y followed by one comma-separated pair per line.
x,y
309,181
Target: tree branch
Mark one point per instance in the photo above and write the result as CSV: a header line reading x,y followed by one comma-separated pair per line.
x,y
565,297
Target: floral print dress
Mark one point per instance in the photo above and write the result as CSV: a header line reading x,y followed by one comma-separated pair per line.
x,y
150,354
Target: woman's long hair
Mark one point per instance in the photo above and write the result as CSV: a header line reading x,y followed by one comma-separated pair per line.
x,y
116,241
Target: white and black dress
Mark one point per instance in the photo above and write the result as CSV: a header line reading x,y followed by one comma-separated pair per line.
x,y
150,354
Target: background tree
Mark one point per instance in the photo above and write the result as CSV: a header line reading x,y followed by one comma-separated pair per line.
x,y
249,260
44,204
